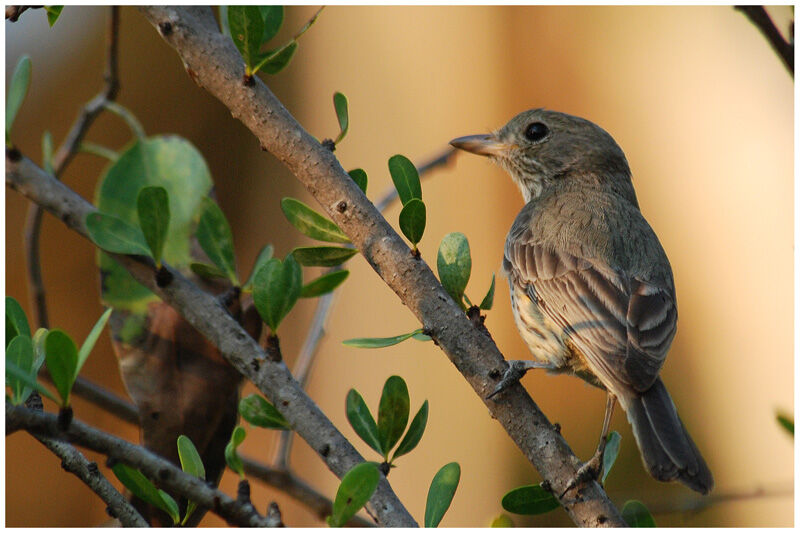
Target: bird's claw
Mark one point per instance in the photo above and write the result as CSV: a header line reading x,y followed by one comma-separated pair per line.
x,y
591,470
512,375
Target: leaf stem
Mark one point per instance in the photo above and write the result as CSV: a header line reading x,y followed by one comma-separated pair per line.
x,y
126,115
98,150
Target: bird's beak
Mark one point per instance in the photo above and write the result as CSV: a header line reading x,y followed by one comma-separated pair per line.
x,y
481,145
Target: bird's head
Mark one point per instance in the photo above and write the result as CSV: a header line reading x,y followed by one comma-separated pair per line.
x,y
542,149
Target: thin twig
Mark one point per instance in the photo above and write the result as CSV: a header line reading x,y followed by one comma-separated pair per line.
x,y
785,49
151,465
205,313
216,65
305,360
695,504
62,158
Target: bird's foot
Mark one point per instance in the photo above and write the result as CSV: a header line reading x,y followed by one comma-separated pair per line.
x,y
516,369
591,470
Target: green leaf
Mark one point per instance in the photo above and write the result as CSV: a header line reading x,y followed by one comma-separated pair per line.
x,y
53,12
440,495
207,271
454,265
273,19
38,348
310,223
414,433
412,220
47,152
153,208
786,422
405,178
259,412
340,106
366,342
636,514
502,521
263,256
276,289
611,452
354,492
393,413
169,162
192,464
231,455
16,373
190,459
529,500
115,235
16,322
275,61
17,89
19,352
91,339
488,300
247,29
421,337
323,255
361,419
61,356
171,507
144,489
359,175
216,240
324,284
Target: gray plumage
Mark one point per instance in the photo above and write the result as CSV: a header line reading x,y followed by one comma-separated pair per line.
x,y
591,287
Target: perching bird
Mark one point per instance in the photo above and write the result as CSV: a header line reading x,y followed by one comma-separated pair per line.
x,y
591,287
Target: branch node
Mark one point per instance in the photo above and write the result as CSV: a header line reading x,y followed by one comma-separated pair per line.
x,y
328,144
163,277
12,154
273,348
64,418
243,492
165,28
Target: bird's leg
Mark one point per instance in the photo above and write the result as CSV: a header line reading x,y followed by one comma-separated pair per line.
x,y
516,369
593,468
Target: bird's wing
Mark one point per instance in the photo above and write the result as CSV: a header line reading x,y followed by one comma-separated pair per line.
x,y
623,326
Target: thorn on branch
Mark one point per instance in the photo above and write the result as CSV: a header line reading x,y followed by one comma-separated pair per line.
x,y
328,144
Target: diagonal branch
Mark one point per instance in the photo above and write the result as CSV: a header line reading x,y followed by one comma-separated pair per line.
x,y
784,49
209,317
151,465
213,62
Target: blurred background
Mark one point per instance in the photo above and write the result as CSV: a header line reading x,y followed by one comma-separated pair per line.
x,y
696,98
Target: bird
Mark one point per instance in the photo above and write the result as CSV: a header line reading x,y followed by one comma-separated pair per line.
x,y
592,290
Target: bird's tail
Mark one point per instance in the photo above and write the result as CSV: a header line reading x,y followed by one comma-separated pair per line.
x,y
667,449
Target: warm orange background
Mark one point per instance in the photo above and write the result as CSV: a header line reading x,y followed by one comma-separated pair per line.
x,y
701,106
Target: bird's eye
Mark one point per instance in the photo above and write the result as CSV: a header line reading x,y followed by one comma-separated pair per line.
x,y
536,132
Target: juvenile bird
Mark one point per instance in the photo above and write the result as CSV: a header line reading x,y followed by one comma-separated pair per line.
x,y
591,287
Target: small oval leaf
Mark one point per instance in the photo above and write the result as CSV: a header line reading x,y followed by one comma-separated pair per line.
x,y
412,220
323,255
488,300
61,357
113,235
324,284
502,521
440,495
19,353
263,256
392,412
367,342
247,29
414,433
310,223
636,514
152,205
454,265
273,19
359,175
405,178
216,240
529,500
276,289
610,453
259,412
191,463
17,89
362,421
340,106
16,321
275,61
143,488
207,271
231,455
354,492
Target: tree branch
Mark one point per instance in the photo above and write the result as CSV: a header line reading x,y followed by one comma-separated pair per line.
x,y
154,467
209,317
62,158
759,16
213,62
